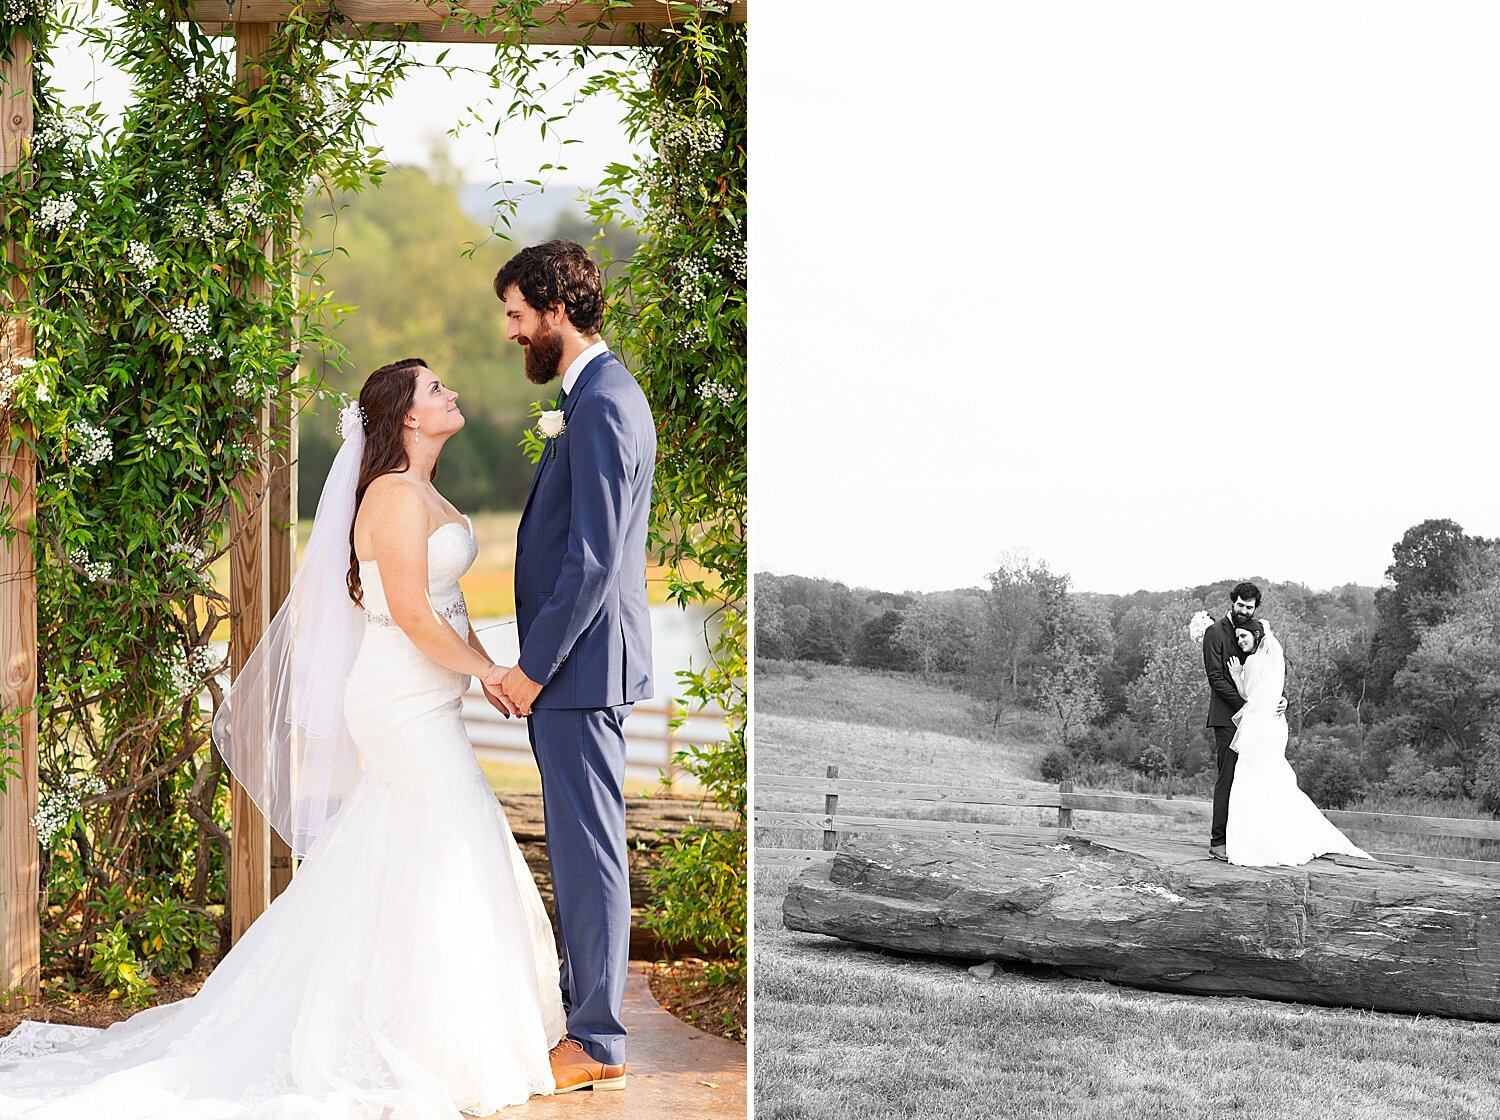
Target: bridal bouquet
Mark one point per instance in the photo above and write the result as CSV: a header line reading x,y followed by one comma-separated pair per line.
x,y
1199,625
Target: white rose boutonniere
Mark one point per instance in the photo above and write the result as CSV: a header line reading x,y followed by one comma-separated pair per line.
x,y
550,424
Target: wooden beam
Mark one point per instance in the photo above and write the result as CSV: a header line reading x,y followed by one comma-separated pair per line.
x,y
250,597
281,553
560,24
20,858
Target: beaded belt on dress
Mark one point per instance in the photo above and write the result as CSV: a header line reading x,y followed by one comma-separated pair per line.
x,y
456,609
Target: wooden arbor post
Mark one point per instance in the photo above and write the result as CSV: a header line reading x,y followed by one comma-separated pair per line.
x,y
260,573
20,858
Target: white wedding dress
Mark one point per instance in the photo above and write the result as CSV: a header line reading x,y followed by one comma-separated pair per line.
x,y
409,971
1271,821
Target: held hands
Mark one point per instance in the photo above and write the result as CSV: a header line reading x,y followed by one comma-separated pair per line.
x,y
492,692
1281,707
509,690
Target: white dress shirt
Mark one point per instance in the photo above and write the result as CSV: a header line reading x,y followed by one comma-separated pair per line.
x,y
570,377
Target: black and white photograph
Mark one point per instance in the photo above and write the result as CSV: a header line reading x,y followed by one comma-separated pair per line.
x,y
1126,734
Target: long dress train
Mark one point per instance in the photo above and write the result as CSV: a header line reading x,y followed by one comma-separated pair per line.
x,y
1271,821
409,971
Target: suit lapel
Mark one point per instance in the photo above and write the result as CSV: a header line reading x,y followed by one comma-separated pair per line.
x,y
584,377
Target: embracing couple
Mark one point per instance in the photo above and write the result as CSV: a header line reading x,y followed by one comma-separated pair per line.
x,y
1261,818
410,971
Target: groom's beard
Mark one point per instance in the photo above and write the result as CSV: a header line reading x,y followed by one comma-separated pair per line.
x,y
1239,619
544,351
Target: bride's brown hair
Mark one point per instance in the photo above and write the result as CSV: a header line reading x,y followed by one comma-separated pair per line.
x,y
384,400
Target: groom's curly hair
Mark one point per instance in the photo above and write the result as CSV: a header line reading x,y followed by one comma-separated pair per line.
x,y
385,399
1245,590
557,272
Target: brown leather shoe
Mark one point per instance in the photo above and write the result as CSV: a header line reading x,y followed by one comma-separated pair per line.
x,y
573,1068
1218,851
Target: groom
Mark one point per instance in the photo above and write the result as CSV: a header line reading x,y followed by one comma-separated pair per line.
x,y
1224,700
585,633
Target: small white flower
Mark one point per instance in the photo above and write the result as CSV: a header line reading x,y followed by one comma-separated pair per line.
x,y
94,569
59,213
141,257
550,424
56,807
194,554
711,390
67,129
95,445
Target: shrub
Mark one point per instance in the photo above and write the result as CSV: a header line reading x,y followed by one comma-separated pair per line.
x,y
1057,764
1328,773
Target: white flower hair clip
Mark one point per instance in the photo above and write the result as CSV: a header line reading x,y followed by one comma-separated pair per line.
x,y
352,419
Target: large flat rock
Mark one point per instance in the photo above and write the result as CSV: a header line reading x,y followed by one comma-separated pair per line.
x,y
1163,915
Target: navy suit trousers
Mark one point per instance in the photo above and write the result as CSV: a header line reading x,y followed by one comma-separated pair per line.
x,y
1225,758
581,754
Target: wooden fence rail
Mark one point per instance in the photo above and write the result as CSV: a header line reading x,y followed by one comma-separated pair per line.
x,y
836,821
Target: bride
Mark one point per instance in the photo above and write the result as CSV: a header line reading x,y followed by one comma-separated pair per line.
x,y
1271,821
409,970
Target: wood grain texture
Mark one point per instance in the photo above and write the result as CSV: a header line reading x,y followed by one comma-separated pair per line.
x,y
20,866
250,597
281,553
1164,915
560,24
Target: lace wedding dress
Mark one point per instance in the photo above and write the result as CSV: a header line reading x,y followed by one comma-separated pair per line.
x,y
409,971
1271,821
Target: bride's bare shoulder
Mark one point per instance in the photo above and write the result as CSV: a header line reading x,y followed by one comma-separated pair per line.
x,y
393,499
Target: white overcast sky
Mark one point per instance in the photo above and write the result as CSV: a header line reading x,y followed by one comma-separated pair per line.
x,y
1162,292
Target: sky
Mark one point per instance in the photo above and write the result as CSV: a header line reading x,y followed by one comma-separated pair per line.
x,y
1162,293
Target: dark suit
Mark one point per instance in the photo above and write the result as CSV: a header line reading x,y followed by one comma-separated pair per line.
x,y
1223,701
585,631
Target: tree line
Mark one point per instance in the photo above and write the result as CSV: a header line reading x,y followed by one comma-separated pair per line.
x,y
1394,690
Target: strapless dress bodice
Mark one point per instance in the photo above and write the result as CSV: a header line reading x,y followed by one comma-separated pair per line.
x,y
451,550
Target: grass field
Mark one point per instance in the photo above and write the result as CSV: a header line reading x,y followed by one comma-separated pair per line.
x,y
847,1033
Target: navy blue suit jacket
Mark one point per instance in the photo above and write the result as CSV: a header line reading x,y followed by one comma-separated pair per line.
x,y
1223,698
581,606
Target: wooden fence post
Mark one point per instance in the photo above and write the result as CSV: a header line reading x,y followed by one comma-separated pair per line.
x,y
1064,814
20,858
830,807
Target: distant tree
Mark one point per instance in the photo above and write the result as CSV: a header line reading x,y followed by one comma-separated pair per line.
x,y
1312,650
1013,613
819,641
935,633
1450,686
1168,700
1429,567
878,647
772,642
1068,691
